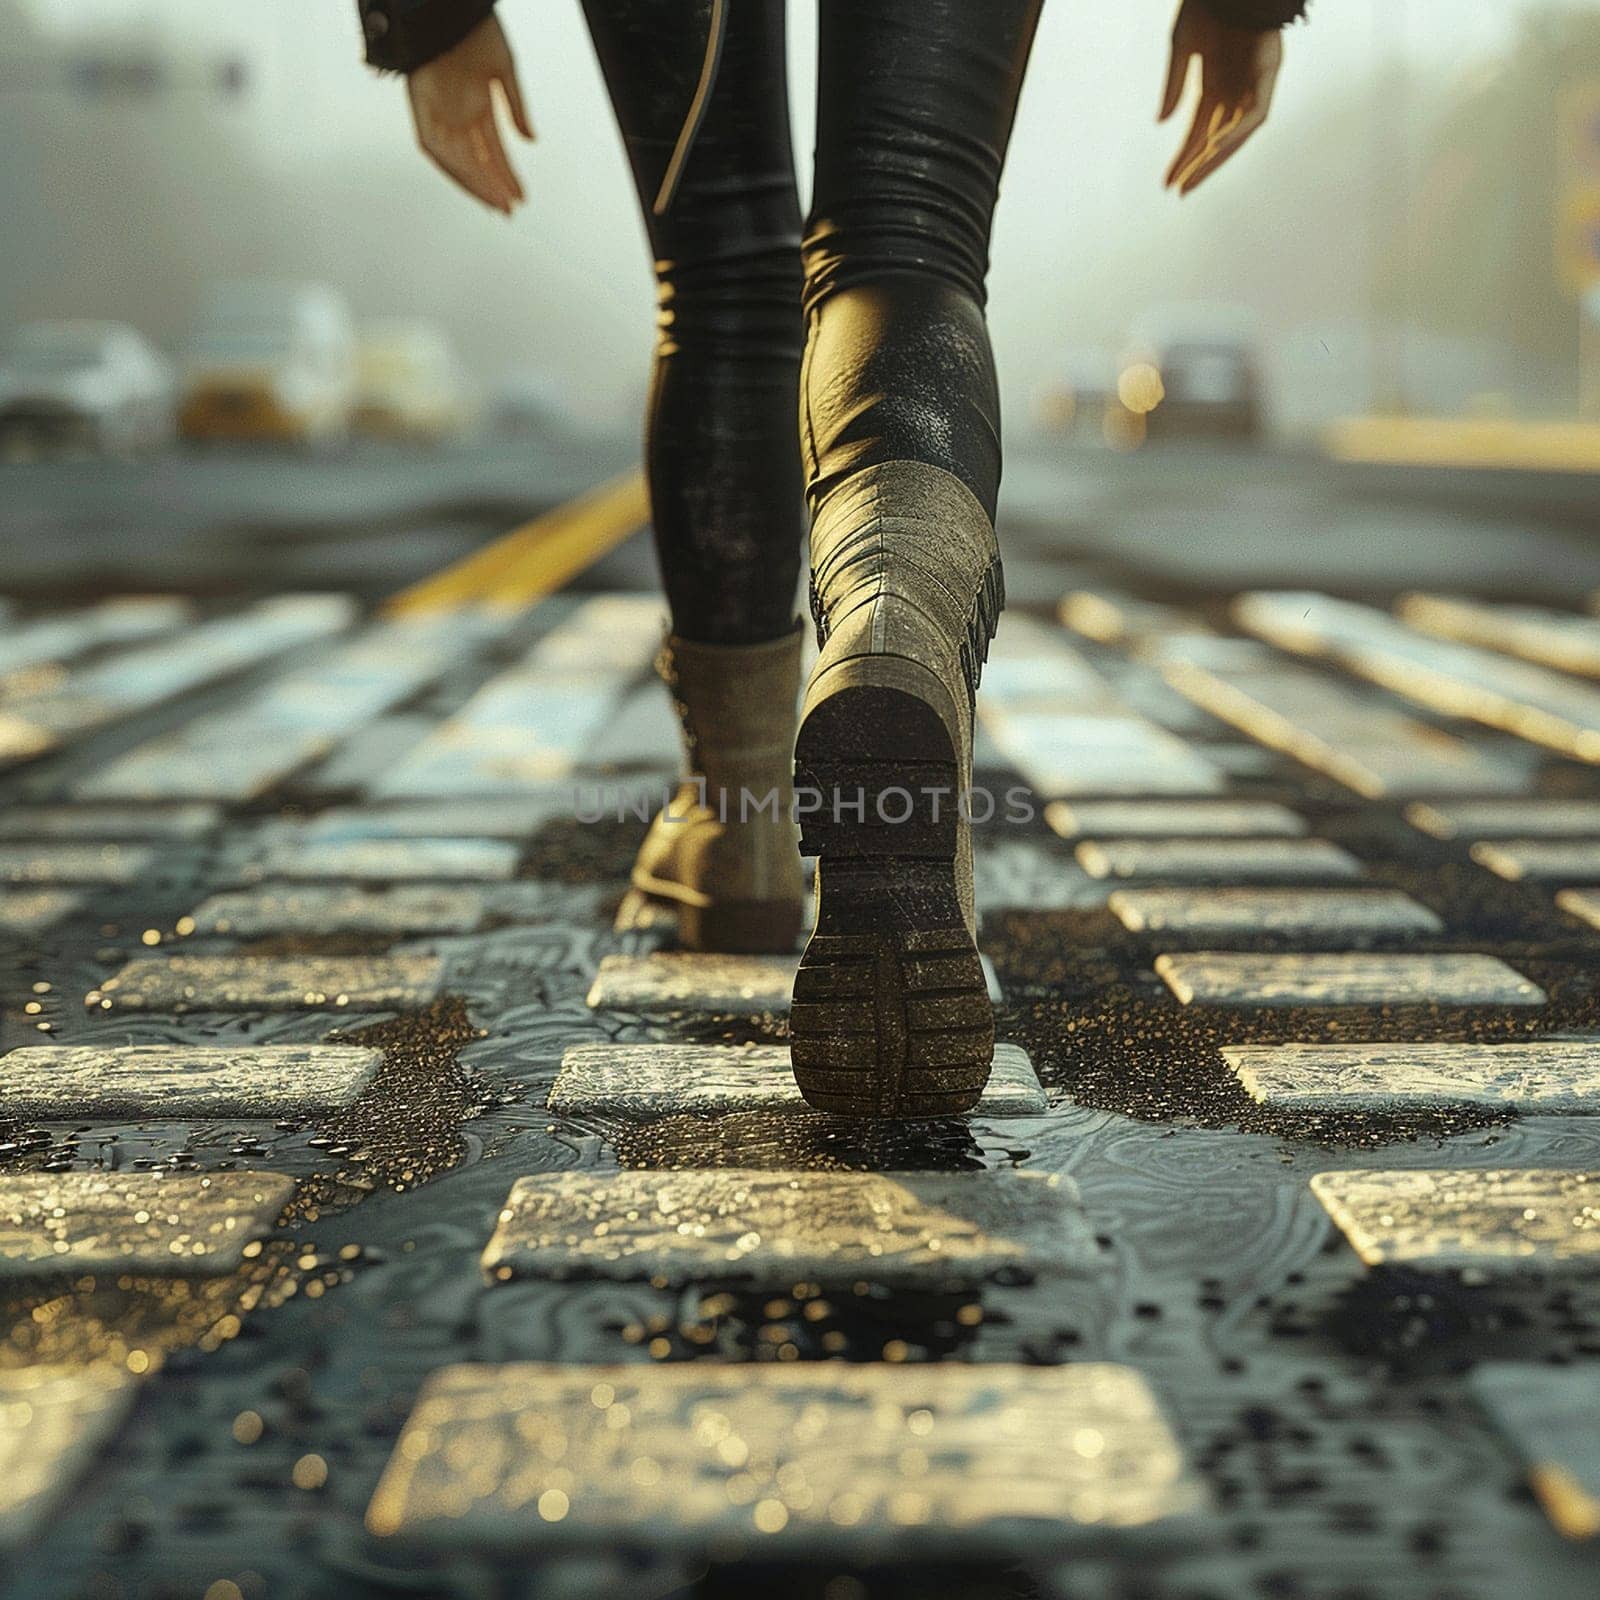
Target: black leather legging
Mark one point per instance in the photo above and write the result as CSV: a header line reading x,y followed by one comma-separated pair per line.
x,y
872,319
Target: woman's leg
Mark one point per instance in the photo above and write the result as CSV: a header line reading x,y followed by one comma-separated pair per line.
x,y
721,860
915,104
901,429
725,486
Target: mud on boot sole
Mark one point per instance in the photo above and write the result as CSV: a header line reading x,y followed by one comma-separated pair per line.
x,y
891,1016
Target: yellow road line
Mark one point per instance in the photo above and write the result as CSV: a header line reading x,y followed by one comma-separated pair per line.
x,y
1488,443
534,560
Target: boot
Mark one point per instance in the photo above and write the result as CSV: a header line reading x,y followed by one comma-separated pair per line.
x,y
732,879
891,1016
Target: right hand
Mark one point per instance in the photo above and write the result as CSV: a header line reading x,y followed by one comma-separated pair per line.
x,y
1238,72
452,105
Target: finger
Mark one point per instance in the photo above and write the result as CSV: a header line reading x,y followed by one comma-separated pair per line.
x,y
512,90
455,159
1212,128
1223,150
1268,83
1199,133
499,158
1214,159
492,154
1199,159
464,161
1224,119
1177,76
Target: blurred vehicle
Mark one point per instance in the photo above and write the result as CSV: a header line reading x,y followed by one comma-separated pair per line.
x,y
409,384
1194,369
1078,399
86,385
271,361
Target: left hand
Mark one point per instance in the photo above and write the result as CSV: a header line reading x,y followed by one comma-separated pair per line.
x,y
1238,71
453,110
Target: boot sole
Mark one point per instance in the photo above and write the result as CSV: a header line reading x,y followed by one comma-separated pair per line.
x,y
891,1015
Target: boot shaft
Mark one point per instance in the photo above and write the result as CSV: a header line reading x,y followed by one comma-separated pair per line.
x,y
903,552
736,705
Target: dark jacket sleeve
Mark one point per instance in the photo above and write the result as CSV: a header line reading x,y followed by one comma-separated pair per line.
x,y
1257,13
403,35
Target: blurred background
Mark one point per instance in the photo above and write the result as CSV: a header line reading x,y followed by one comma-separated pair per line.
x,y
251,338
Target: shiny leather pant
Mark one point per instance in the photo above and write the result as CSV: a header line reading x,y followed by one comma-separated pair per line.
x,y
869,318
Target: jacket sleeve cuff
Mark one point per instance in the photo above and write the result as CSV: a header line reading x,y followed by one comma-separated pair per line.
x,y
1262,14
402,35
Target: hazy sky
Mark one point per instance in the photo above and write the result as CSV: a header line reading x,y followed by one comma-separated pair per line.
x,y
1082,185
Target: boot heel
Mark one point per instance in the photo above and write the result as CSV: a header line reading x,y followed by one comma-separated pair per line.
x,y
741,927
891,1017
876,765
